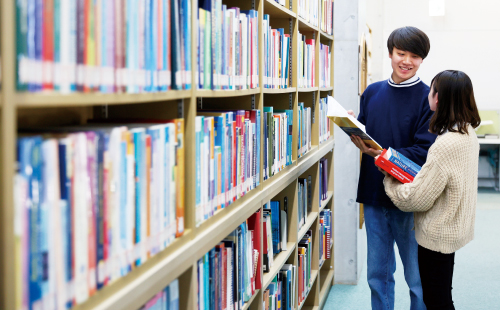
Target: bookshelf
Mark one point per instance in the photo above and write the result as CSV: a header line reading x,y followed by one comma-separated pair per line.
x,y
178,260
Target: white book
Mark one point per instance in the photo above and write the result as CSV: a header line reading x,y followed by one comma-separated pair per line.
x,y
230,280
171,147
201,286
283,229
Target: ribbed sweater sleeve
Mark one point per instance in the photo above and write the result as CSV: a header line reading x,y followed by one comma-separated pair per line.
x,y
421,194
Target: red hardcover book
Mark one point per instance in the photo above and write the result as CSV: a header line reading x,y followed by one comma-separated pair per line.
x,y
398,173
48,45
313,53
254,225
224,276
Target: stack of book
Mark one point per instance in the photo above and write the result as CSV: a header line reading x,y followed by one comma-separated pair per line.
x,y
276,56
309,11
398,165
94,204
277,140
103,46
324,121
229,274
323,179
168,299
305,199
228,47
227,158
304,132
326,24
281,292
275,220
306,62
325,233
324,65
304,268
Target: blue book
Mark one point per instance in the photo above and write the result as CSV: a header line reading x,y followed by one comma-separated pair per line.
x,y
140,175
186,33
220,140
154,47
174,295
100,208
199,140
275,223
403,162
176,42
123,201
212,278
229,157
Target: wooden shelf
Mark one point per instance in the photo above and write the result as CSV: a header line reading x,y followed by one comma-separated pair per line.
x,y
307,89
305,25
325,88
326,278
276,10
278,262
326,201
247,304
326,35
309,221
42,100
204,93
279,91
314,275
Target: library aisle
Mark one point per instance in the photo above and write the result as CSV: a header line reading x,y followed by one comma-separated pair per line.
x,y
476,274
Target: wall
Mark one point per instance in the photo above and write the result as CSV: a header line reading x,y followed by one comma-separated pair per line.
x,y
466,38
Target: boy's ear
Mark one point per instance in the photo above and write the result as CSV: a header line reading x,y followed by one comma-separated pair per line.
x,y
390,55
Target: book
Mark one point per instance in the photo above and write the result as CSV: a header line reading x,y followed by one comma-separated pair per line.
x,y
403,162
394,170
349,124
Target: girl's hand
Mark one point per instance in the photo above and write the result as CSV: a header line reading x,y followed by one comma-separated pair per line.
x,y
382,170
365,149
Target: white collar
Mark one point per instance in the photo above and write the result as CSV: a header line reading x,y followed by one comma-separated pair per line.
x,y
410,82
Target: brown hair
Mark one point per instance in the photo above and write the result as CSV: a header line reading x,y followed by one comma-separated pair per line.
x,y
410,39
456,104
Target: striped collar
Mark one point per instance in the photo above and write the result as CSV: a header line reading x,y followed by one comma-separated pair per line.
x,y
410,82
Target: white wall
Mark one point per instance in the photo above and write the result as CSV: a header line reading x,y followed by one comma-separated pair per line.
x,y
466,38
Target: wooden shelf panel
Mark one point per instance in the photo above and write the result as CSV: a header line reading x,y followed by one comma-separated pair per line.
x,y
43,100
279,91
305,25
247,304
326,35
326,201
325,88
326,278
226,93
309,221
307,89
277,11
314,276
279,261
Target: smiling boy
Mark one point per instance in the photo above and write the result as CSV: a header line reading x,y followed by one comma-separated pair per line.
x,y
396,114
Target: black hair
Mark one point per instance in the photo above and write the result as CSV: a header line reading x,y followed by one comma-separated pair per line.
x,y
410,39
456,107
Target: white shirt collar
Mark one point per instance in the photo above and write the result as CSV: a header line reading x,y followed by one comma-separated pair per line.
x,y
410,82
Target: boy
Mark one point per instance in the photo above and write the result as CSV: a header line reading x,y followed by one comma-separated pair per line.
x,y
396,114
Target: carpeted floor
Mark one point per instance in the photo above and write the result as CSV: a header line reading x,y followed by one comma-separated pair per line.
x,y
476,280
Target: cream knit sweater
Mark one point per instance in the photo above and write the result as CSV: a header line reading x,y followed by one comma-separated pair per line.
x,y
443,195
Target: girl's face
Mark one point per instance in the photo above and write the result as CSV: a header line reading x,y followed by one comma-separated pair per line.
x,y
433,99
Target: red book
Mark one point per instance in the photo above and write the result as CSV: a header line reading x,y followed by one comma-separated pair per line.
x,y
48,44
398,173
313,51
254,225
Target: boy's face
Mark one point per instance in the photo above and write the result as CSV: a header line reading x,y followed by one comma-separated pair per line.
x,y
404,65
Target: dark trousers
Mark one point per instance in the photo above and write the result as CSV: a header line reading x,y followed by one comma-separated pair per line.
x,y
436,274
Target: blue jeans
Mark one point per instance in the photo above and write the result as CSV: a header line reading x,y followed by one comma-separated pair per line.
x,y
384,226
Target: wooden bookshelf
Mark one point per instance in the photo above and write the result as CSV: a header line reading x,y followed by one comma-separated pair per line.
x,y
178,260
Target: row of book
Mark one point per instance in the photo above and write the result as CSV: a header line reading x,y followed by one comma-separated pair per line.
x,y
277,140
92,204
230,273
227,158
309,11
304,190
323,179
103,46
275,230
326,23
324,65
281,292
276,56
324,122
325,235
167,299
307,57
227,47
304,132
305,253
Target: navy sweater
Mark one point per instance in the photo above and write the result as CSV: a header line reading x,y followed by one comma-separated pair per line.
x,y
396,117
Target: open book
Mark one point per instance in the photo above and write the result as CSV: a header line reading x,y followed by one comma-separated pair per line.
x,y
349,124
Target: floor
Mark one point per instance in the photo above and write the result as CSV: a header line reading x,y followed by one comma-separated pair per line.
x,y
476,280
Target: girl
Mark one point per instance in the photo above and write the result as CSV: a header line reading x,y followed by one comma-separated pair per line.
x,y
443,195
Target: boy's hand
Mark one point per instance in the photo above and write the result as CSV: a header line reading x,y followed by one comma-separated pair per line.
x,y
351,113
365,149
